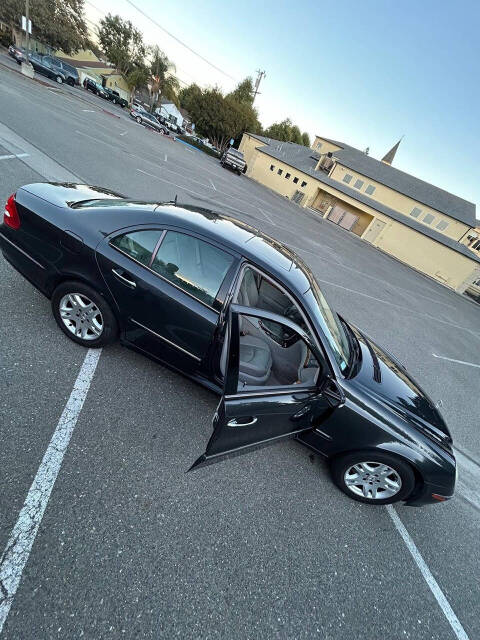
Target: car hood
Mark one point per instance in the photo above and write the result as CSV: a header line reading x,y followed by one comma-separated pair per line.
x,y
382,376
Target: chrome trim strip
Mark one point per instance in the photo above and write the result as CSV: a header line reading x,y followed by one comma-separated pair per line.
x,y
22,251
164,279
293,389
157,335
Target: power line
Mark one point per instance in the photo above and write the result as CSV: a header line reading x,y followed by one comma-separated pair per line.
x,y
179,41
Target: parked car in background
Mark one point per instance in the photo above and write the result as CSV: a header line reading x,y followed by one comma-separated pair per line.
x,y
69,71
148,120
95,87
242,314
18,53
115,97
46,68
233,159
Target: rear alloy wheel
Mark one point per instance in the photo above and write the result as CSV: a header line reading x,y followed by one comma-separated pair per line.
x,y
83,315
138,119
59,79
373,477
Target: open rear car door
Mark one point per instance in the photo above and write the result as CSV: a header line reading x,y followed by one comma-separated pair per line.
x,y
295,393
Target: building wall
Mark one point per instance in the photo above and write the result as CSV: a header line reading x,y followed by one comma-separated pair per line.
x,y
426,255
410,246
323,146
117,82
171,109
403,204
84,55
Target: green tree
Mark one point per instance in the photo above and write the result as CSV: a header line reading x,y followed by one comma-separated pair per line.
x,y
287,132
220,117
122,43
162,79
243,92
58,23
137,78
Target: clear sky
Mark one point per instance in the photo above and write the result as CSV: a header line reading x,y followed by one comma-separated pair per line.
x,y
364,72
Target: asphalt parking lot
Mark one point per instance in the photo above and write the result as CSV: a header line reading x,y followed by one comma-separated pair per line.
x,y
261,546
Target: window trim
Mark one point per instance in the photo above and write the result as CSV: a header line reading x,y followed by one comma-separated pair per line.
x,y
349,176
218,303
362,182
306,318
427,215
372,187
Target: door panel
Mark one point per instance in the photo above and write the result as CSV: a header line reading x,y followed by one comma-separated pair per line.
x,y
348,220
157,317
249,417
374,230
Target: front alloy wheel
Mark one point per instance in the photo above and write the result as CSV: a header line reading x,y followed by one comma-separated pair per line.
x,y
373,480
373,477
59,79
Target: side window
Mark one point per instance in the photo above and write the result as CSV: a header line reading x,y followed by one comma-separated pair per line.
x,y
139,245
195,266
272,355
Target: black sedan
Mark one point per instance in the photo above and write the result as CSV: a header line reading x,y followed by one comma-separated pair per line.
x,y
241,314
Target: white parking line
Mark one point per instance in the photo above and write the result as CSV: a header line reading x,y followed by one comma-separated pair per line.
x,y
166,157
22,537
269,218
10,156
213,185
469,364
124,133
89,110
448,612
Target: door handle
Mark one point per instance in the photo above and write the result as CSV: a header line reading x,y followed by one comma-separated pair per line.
x,y
122,278
236,423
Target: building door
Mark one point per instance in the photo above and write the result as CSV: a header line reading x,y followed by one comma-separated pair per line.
x,y
348,220
374,229
298,197
343,218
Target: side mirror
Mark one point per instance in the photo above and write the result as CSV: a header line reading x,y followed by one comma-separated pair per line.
x,y
333,393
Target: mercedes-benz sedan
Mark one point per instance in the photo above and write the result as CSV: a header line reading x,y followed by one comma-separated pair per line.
x,y
240,313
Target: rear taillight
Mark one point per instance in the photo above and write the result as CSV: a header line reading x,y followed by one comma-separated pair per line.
x,y
11,217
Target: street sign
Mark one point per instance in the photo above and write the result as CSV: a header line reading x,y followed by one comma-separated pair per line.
x,y
24,25
232,140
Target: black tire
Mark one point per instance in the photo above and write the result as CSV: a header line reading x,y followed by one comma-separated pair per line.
x,y
138,119
110,327
71,82
59,79
339,467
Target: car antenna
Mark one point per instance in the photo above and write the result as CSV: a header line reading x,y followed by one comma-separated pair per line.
x,y
175,201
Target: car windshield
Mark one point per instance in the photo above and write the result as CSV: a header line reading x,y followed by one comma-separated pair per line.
x,y
332,328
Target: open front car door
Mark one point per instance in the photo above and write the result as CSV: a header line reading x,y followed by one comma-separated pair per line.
x,y
277,384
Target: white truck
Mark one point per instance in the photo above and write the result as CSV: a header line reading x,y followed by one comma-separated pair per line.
x,y
233,158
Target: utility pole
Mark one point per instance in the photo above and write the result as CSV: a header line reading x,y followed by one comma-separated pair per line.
x,y
260,76
27,11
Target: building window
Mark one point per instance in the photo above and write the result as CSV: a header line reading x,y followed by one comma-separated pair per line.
x,y
347,178
280,171
304,184
272,167
370,189
287,175
358,184
295,180
428,219
415,212
319,145
442,225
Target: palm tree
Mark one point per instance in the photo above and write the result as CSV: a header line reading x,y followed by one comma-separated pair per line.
x,y
163,81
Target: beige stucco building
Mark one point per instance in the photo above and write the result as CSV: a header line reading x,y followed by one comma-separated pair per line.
x,y
412,220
